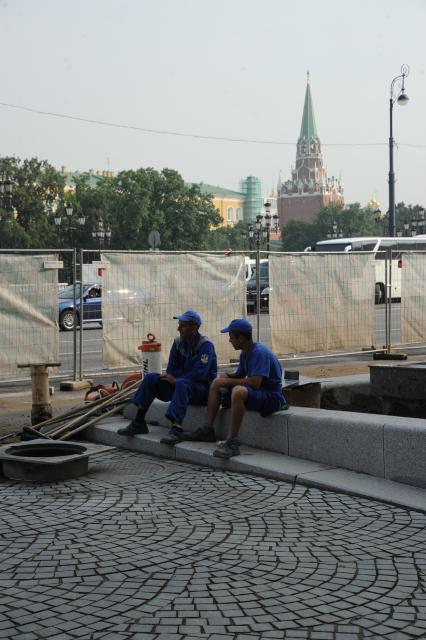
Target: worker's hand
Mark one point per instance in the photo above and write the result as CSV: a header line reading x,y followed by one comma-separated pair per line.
x,y
223,375
168,378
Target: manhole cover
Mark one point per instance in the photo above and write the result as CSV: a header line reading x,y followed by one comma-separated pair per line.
x,y
117,470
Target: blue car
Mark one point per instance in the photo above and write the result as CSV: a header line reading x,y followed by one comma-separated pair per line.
x,y
92,305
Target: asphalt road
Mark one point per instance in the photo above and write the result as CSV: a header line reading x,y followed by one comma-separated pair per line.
x,y
92,339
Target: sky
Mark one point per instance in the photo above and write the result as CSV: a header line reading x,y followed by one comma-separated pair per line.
x,y
217,68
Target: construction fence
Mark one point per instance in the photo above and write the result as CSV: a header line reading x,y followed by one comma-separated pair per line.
x,y
312,305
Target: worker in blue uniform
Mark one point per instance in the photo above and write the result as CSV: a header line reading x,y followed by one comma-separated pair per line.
x,y
256,385
192,366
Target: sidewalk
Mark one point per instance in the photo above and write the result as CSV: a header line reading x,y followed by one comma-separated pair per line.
x,y
149,549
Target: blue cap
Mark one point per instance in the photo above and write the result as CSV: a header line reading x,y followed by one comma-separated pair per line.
x,y
239,325
189,316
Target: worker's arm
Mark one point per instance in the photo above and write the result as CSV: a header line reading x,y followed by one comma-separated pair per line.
x,y
232,380
174,365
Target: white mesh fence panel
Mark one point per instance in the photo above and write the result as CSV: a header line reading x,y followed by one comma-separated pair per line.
x,y
413,297
142,293
321,301
28,311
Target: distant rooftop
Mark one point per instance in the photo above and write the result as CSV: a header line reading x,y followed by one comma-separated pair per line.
x,y
93,176
218,192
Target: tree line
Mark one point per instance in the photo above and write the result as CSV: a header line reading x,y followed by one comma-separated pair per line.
x,y
132,203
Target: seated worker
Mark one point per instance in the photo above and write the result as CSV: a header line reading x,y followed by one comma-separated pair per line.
x,y
256,385
191,368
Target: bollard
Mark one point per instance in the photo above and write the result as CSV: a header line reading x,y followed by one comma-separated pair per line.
x,y
41,407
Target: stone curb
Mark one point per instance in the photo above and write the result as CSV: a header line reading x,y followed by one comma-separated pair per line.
x,y
270,464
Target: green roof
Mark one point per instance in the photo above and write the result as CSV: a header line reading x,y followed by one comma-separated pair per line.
x,y
308,130
219,192
71,176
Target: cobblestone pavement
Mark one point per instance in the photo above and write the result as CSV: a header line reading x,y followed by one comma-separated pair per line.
x,y
156,550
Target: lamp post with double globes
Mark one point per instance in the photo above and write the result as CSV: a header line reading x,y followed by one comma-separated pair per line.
x,y
69,227
7,210
102,234
256,232
397,94
271,224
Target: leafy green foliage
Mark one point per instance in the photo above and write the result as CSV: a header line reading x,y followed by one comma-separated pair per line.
x,y
135,202
335,220
131,204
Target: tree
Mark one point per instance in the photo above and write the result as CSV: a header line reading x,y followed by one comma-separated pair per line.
x,y
37,188
297,235
235,238
332,220
135,202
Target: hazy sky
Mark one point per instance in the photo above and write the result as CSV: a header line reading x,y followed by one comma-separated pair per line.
x,y
227,68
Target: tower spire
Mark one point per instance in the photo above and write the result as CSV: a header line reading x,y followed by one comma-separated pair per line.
x,y
308,130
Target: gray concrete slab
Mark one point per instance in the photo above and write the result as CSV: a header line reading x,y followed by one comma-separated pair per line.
x,y
363,485
405,450
268,464
340,439
403,380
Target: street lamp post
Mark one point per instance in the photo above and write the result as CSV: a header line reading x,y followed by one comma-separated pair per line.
x,y
335,232
256,232
102,234
70,227
271,224
415,225
397,94
7,211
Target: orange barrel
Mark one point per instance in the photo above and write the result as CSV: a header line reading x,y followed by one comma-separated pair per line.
x,y
150,355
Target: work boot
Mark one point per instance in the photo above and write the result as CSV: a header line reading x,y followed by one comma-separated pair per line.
x,y
227,449
174,436
202,434
133,428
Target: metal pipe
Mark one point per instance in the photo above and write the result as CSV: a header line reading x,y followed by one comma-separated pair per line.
x,y
389,343
258,292
80,362
386,292
74,313
392,230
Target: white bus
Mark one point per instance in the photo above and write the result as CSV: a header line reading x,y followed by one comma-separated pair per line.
x,y
380,247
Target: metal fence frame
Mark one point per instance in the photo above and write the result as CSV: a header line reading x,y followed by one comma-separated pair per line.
x,y
73,276
77,262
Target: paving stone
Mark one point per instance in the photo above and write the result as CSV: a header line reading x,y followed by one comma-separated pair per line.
x,y
159,550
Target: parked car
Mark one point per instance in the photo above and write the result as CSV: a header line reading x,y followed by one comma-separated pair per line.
x,y
92,305
264,289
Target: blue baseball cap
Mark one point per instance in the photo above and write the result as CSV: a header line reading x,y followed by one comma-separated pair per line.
x,y
239,325
189,316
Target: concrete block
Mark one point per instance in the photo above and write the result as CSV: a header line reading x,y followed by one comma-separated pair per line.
x,y
199,453
75,385
265,433
350,440
406,381
274,465
362,485
405,450
145,443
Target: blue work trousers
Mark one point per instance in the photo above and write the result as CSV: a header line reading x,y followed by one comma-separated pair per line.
x,y
181,394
